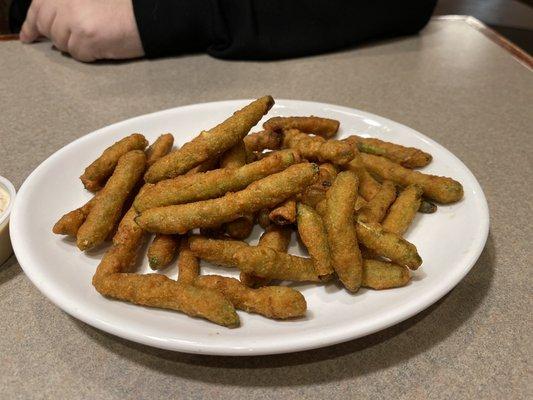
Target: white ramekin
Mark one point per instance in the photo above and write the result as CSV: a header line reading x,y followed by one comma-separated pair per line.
x,y
5,243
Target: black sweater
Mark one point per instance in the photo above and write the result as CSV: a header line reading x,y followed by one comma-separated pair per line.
x,y
264,29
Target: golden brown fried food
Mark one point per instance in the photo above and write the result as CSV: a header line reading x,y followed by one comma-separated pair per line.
x,y
324,127
285,213
234,157
408,157
403,210
276,237
376,209
162,250
261,261
314,236
384,275
277,302
263,219
155,290
427,207
188,264
368,186
105,213
264,140
204,167
263,193
211,143
97,173
212,184
315,193
388,244
316,148
69,223
341,233
160,148
360,202
240,228
439,188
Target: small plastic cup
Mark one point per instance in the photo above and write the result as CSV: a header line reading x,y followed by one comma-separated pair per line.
x,y
5,243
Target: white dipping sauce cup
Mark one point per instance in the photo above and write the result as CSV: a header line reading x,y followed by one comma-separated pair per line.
x,y
5,243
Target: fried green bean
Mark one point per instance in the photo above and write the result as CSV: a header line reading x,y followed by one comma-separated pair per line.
x,y
276,237
314,236
208,165
403,210
285,213
211,143
441,189
427,207
96,174
324,127
105,213
315,193
388,244
240,228
341,232
368,186
384,275
408,157
261,261
212,184
188,264
69,223
264,193
162,250
160,148
264,140
234,157
376,209
316,148
276,302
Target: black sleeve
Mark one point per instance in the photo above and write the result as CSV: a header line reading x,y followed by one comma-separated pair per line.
x,y
272,29
264,29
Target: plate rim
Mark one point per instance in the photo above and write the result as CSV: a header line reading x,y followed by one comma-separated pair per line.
x,y
330,338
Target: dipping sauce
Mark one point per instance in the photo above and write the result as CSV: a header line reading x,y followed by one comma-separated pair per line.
x,y
4,199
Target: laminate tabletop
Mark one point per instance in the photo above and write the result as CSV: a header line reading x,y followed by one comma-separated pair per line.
x,y
454,82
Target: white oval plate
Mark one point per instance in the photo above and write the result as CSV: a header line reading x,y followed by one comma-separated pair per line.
x,y
449,241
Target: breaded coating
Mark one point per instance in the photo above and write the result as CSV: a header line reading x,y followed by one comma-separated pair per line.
x,y
384,275
211,143
264,193
234,157
403,210
208,165
264,140
316,148
69,223
368,186
162,250
360,202
212,184
155,290
408,157
261,261
314,236
285,213
240,228
276,302
376,209
324,127
188,264
276,237
105,213
441,189
315,193
388,244
427,207
263,219
341,232
161,147
96,174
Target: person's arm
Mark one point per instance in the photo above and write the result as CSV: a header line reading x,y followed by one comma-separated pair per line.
x,y
272,29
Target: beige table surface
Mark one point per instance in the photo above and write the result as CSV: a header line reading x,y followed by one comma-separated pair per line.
x,y
451,83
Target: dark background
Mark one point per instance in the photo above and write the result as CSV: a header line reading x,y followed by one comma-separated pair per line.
x,y
511,18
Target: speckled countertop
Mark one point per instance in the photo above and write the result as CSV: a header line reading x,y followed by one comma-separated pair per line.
x,y
451,82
